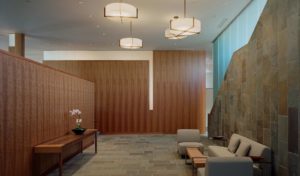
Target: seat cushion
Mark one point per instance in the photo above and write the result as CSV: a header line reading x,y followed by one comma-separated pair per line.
x,y
233,144
183,145
219,151
243,149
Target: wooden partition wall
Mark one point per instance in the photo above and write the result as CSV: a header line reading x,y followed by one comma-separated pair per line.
x,y
179,90
121,92
34,104
122,104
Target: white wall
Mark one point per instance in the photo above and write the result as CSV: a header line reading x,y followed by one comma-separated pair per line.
x,y
98,55
3,42
30,54
209,84
209,101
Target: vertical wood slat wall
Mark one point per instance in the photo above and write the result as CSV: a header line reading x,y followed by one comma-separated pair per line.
x,y
121,92
179,90
121,99
34,105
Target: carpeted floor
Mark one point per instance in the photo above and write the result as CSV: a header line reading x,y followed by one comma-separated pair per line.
x,y
130,155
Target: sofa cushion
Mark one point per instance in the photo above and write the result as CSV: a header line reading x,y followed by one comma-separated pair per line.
x,y
233,143
243,149
218,151
183,145
256,149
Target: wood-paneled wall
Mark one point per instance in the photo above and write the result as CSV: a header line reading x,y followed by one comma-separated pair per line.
x,y
179,90
121,92
122,104
34,104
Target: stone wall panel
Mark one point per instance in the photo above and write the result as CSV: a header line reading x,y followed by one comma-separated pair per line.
x,y
261,91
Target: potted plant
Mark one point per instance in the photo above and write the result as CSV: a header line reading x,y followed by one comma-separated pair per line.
x,y
75,113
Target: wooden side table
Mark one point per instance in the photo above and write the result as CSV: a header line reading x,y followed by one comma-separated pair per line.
x,y
197,158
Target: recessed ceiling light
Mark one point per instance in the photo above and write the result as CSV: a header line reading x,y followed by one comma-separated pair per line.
x,y
80,2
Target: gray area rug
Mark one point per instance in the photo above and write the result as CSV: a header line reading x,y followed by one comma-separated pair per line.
x,y
132,155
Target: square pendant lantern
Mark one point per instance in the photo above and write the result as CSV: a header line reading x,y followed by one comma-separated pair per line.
x,y
185,26
173,36
121,11
180,27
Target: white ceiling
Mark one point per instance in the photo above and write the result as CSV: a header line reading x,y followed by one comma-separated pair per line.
x,y
80,25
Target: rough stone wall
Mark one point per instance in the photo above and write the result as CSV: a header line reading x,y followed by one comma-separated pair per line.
x,y
260,95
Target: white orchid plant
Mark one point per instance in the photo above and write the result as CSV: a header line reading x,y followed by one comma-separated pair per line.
x,y
75,113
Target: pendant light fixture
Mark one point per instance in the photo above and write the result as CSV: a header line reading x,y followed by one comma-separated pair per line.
x,y
172,36
185,26
130,42
120,10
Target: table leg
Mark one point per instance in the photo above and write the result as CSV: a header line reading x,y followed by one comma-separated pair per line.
x,y
193,167
96,149
60,164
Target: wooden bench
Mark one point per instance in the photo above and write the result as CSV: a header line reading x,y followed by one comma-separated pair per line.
x,y
58,145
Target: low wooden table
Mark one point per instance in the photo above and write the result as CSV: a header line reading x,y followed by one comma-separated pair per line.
x,y
197,158
57,146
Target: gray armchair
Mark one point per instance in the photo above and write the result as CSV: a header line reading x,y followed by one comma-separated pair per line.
x,y
188,138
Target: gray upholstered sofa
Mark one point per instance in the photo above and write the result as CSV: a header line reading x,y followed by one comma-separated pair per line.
x,y
240,146
227,166
188,138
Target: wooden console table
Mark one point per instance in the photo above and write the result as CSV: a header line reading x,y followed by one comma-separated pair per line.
x,y
57,146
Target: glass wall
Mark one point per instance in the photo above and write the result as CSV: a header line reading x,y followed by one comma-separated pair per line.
x,y
235,36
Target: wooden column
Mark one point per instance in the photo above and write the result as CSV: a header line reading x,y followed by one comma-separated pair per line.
x,y
17,44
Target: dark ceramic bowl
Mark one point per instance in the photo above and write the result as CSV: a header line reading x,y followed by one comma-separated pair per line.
x,y
79,131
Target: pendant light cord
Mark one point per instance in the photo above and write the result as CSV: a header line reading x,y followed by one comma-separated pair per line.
x,y
184,8
120,9
131,28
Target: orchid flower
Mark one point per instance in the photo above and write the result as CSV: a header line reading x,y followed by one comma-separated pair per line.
x,y
76,114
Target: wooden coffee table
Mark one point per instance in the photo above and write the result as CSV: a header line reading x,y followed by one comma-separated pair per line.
x,y
197,158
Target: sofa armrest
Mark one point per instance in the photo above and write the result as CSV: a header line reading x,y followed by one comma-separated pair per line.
x,y
256,158
233,166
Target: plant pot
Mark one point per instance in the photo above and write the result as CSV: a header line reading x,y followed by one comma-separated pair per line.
x,y
78,131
